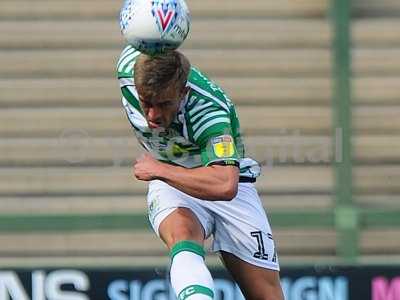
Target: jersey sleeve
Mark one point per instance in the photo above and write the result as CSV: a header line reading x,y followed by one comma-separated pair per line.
x,y
209,126
125,66
126,62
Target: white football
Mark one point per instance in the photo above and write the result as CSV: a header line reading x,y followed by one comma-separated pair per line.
x,y
154,26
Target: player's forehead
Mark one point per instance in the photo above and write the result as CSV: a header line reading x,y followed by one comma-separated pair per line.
x,y
168,95
159,101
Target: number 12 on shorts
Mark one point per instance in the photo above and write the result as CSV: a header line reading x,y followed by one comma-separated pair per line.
x,y
261,254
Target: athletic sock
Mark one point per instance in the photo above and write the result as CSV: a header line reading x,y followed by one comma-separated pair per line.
x,y
190,278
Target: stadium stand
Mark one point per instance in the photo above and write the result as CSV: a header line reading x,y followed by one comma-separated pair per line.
x,y
66,147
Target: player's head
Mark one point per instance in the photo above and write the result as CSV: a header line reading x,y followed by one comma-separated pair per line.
x,y
161,85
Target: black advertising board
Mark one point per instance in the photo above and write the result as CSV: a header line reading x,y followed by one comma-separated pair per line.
x,y
302,283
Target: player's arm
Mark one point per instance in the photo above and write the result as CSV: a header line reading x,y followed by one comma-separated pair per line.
x,y
209,126
214,182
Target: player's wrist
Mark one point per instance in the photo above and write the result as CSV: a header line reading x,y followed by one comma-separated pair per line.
x,y
162,171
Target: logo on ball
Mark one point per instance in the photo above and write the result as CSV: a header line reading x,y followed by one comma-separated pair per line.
x,y
165,13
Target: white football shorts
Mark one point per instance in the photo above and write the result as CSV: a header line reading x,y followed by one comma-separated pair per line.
x,y
239,226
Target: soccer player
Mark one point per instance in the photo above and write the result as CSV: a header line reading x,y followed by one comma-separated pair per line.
x,y
200,182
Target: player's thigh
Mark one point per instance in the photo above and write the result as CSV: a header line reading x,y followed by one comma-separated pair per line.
x,y
181,224
176,216
256,283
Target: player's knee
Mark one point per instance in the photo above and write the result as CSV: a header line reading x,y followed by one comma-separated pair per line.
x,y
184,233
267,297
266,291
274,293
181,225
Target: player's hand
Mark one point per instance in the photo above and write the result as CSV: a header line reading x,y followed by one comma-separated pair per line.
x,y
147,168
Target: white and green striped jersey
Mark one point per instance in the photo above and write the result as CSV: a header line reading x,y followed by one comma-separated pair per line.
x,y
205,130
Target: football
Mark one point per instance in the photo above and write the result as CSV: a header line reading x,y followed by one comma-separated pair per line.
x,y
155,26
